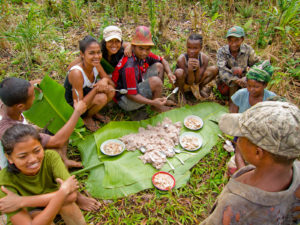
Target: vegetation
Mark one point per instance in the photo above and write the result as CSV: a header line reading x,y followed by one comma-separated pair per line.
x,y
41,37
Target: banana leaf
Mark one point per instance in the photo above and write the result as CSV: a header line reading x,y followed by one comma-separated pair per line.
x,y
50,109
106,66
125,174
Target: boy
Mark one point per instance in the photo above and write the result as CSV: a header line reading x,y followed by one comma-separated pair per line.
x,y
192,71
18,96
264,192
142,75
233,60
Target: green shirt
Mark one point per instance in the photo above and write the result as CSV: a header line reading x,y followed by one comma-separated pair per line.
x,y
41,183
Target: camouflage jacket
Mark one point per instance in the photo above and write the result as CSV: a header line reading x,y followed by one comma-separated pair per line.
x,y
250,205
225,61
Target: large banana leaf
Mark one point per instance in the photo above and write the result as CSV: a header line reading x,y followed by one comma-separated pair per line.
x,y
50,108
126,174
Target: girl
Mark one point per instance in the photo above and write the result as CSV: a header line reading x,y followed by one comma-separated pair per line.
x,y
81,83
112,46
31,172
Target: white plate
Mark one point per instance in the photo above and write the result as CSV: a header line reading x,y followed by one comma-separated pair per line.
x,y
193,117
198,138
113,141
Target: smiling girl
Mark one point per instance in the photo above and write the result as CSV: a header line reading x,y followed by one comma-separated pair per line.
x,y
31,172
81,83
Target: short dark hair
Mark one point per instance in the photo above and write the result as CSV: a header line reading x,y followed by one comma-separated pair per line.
x,y
196,37
15,134
14,90
86,42
282,159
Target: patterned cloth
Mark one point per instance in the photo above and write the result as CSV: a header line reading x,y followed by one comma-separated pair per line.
x,y
225,61
251,205
131,71
261,72
273,126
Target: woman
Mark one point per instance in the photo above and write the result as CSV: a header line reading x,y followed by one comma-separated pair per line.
x,y
31,172
81,83
257,80
112,46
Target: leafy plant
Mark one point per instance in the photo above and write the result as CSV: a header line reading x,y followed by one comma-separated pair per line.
x,y
245,9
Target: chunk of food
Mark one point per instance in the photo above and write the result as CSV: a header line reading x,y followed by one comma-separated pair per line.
x,y
190,142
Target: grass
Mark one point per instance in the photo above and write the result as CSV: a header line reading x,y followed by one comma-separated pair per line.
x,y
41,37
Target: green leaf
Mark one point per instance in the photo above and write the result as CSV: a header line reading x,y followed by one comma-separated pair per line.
x,y
126,174
106,66
50,107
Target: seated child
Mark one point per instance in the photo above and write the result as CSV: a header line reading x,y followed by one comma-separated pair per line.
x,y
17,96
31,172
192,71
81,83
264,192
233,60
142,75
257,80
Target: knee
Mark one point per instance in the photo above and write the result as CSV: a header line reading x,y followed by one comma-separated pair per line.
x,y
100,99
179,73
155,82
159,67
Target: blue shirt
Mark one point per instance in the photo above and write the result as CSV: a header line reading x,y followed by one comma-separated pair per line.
x,y
241,98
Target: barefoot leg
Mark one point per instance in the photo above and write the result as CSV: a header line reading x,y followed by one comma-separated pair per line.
x,y
87,203
69,163
72,215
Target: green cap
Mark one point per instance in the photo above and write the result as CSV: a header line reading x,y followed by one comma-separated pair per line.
x,y
235,31
273,126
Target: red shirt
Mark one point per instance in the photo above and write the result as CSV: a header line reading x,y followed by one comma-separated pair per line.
x,y
130,71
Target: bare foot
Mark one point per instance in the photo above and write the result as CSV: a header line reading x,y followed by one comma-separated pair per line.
x,y
72,163
161,109
102,118
170,103
87,203
205,92
182,100
90,124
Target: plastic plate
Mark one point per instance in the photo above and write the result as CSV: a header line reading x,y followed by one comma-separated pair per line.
x,y
196,118
112,141
164,174
191,135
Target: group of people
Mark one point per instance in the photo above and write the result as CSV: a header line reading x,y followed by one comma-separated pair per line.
x,y
36,185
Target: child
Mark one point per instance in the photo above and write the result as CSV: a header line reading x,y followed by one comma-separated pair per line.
x,y
192,68
81,83
264,192
142,75
233,60
32,172
17,96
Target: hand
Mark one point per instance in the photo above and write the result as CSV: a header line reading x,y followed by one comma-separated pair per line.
x,y
68,186
102,85
172,78
242,82
193,64
80,106
237,71
158,102
9,203
128,51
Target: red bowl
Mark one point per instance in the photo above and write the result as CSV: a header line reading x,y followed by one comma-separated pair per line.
x,y
162,172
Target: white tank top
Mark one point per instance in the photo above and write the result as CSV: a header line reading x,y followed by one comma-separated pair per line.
x,y
86,81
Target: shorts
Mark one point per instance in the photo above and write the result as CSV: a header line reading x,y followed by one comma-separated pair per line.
x,y
144,90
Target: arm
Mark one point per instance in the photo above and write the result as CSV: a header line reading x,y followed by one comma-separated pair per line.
x,y
127,49
141,99
167,69
53,207
224,72
233,108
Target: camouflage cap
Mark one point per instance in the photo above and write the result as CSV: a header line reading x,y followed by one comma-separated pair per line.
x,y
235,31
273,126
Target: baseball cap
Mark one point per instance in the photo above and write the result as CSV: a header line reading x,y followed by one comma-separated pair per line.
x,y
273,126
142,36
235,31
112,32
